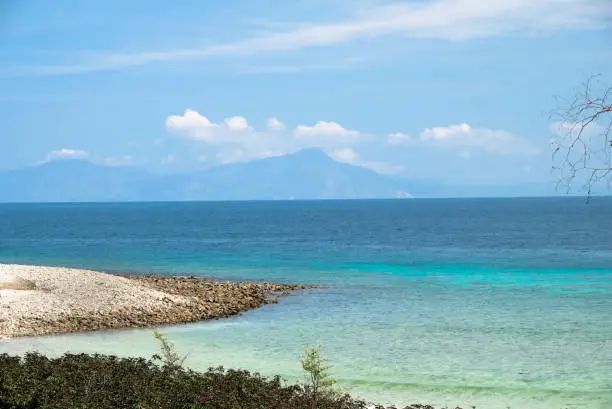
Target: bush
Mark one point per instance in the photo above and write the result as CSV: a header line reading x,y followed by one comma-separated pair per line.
x,y
169,356
320,384
104,382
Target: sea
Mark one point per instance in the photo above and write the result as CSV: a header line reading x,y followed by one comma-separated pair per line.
x,y
492,303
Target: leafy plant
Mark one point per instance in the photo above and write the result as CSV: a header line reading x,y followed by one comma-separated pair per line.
x,y
169,356
320,383
84,381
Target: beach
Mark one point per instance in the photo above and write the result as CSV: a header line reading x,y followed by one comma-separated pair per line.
x,y
37,300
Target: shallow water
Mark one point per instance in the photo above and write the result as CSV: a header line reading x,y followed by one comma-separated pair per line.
x,y
492,303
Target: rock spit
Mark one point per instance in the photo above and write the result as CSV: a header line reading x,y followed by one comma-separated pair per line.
x,y
50,300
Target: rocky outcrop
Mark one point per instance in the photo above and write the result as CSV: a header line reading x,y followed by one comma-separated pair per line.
x,y
64,300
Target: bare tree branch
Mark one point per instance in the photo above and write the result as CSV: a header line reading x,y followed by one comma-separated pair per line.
x,y
583,145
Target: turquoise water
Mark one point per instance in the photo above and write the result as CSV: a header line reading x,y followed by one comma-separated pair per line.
x,y
493,303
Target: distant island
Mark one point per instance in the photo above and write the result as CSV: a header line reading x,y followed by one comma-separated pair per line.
x,y
308,174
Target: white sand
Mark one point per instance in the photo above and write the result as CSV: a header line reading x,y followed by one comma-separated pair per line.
x,y
64,292
9,295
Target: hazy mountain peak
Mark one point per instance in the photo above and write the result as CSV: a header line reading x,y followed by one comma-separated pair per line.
x,y
309,153
306,174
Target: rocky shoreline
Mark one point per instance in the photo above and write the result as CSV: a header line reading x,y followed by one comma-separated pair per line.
x,y
51,300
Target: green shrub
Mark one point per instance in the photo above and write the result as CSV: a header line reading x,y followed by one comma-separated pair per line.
x,y
169,356
81,381
320,384
107,382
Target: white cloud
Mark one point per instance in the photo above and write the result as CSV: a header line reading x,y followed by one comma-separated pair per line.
x,y
274,125
325,134
398,138
566,131
446,133
340,64
237,123
465,139
344,155
244,142
234,140
489,140
66,153
383,167
348,155
323,128
192,125
119,160
271,153
242,155
232,156
438,19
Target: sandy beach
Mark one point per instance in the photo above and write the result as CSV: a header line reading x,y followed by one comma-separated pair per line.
x,y
38,300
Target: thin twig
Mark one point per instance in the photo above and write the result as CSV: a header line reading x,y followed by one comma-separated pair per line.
x,y
577,150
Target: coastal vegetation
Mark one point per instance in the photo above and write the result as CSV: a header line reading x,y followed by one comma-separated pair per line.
x,y
162,382
108,382
102,381
318,375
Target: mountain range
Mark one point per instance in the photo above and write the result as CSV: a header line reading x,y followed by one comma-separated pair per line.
x,y
307,174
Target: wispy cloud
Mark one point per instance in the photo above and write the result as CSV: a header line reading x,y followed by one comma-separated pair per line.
x,y
342,64
66,153
274,125
439,19
348,155
398,138
245,142
234,139
125,160
463,136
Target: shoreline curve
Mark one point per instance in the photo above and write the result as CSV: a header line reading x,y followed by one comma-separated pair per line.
x,y
38,300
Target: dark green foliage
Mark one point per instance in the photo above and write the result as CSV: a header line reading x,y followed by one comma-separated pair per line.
x,y
105,382
82,381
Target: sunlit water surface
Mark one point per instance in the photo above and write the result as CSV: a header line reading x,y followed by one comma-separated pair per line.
x,y
492,303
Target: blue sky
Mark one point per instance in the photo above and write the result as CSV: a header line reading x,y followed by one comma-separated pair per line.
x,y
452,90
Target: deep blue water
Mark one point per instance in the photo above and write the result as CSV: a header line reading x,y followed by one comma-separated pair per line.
x,y
474,301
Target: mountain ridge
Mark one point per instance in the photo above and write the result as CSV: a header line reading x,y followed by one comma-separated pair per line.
x,y
309,174
306,174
